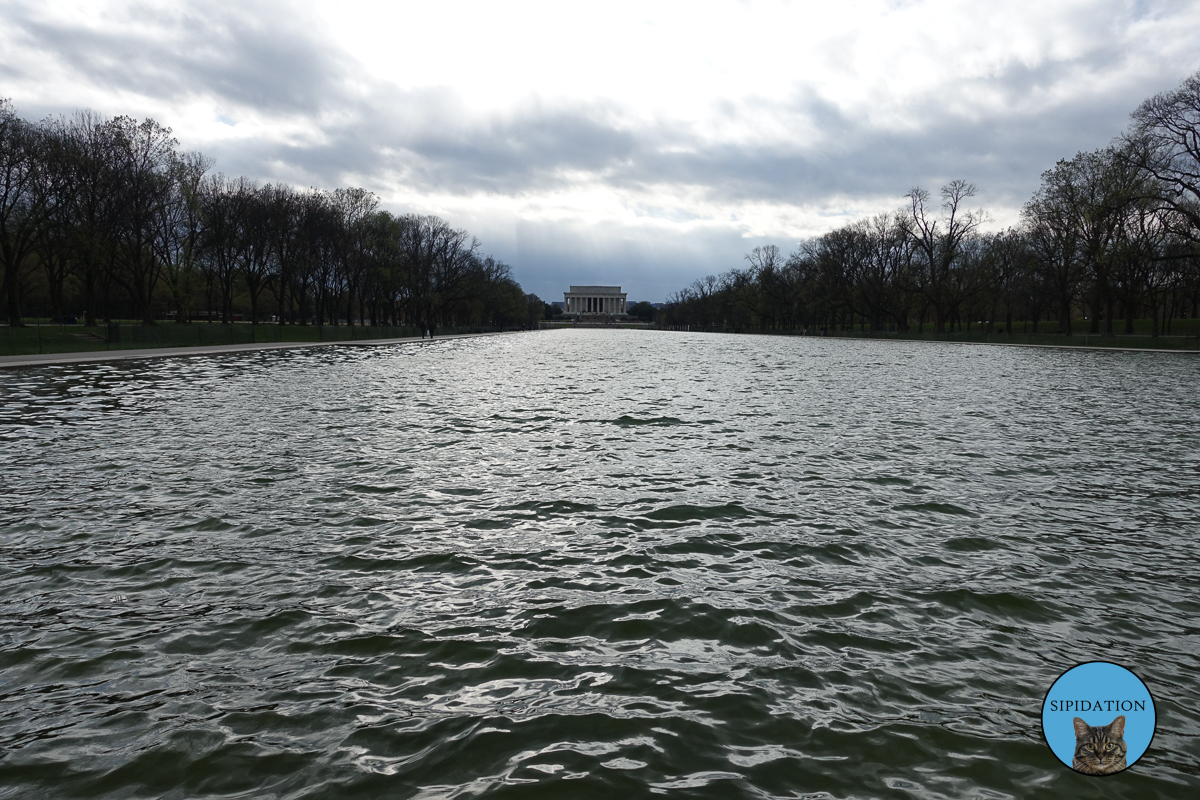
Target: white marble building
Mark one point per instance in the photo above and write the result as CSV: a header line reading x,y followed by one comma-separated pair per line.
x,y
594,300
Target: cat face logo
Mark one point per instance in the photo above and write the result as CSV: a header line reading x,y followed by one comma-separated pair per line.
x,y
1100,749
1081,723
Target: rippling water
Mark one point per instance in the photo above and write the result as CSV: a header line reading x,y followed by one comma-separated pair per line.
x,y
592,564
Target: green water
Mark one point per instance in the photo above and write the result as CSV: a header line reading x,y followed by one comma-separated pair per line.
x,y
592,564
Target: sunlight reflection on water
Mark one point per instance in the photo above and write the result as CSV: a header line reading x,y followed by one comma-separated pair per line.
x,y
590,562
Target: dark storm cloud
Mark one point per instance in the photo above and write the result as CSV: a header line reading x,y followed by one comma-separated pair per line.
x,y
648,267
429,141
270,58
343,125
528,151
427,146
261,55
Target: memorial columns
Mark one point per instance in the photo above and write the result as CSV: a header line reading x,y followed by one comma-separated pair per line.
x,y
607,300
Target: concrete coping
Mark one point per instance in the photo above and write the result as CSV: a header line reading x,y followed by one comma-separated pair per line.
x,y
54,359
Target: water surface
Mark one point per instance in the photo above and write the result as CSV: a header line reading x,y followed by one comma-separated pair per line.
x,y
592,564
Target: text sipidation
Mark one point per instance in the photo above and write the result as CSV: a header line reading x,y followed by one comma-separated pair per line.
x,y
1097,705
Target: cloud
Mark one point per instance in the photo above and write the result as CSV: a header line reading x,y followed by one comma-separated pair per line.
x,y
646,135
262,57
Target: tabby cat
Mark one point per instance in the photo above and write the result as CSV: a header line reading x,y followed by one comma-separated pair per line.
x,y
1099,750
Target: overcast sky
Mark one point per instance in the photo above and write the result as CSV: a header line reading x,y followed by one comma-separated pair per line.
x,y
643,144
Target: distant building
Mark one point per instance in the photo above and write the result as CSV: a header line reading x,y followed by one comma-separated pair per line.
x,y
594,301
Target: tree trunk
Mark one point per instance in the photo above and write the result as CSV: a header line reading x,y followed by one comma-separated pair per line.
x,y
54,284
12,291
89,297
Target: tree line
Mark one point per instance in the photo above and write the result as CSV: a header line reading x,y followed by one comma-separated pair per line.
x,y
107,218
1111,236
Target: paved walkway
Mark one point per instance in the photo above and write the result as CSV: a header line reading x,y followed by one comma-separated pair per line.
x,y
51,359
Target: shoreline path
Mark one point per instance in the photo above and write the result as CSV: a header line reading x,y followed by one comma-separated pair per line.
x,y
54,359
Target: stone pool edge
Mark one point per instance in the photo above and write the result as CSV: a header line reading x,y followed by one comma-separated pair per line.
x,y
56,359
1094,348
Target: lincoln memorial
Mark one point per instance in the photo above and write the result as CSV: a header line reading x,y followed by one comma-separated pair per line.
x,y
597,300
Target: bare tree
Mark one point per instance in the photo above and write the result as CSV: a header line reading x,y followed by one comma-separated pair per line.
x,y
1164,141
92,207
113,203
53,241
356,209
223,206
1010,262
767,257
1056,239
254,229
22,201
938,240
283,208
145,166
180,232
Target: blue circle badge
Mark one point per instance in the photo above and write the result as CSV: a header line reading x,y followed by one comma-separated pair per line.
x,y
1098,718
